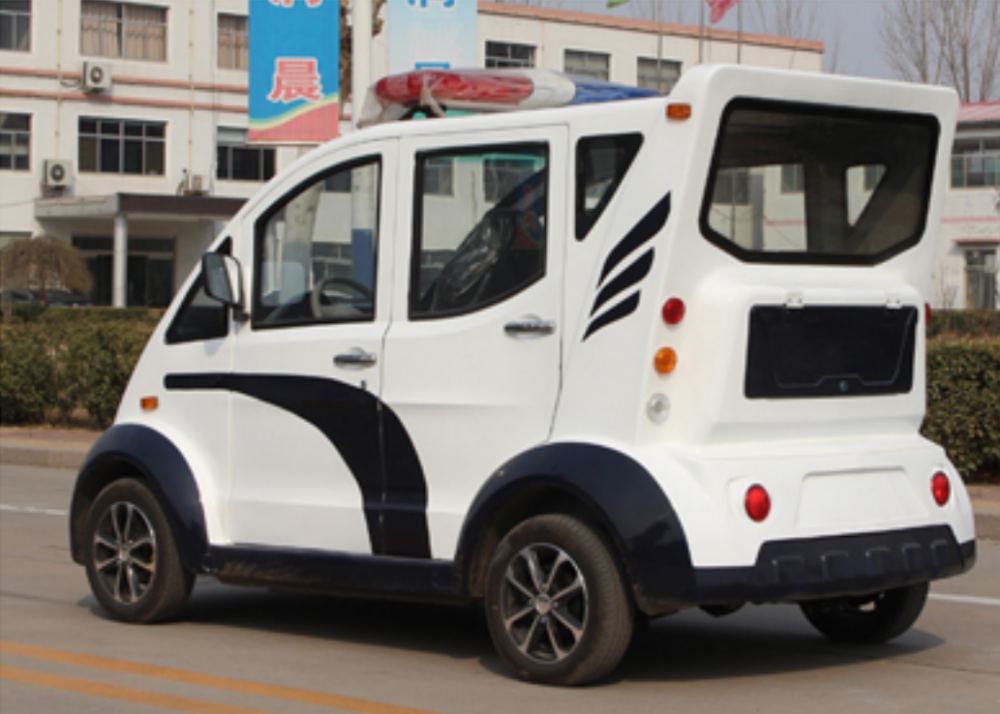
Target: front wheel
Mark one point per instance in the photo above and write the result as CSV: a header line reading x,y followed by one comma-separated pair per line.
x,y
131,556
868,619
557,608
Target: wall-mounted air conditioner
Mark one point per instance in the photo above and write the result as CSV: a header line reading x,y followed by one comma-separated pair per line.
x,y
196,185
96,77
58,173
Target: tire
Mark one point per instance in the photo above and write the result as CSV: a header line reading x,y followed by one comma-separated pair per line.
x,y
571,622
868,619
131,555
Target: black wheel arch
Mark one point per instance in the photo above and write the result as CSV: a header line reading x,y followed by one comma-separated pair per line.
x,y
603,486
137,451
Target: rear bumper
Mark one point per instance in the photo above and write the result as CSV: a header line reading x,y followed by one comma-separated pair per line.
x,y
817,568
806,569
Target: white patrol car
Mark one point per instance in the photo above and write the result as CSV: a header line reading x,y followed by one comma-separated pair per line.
x,y
582,365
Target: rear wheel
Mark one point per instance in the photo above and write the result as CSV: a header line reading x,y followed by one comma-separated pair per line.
x,y
869,618
557,607
131,555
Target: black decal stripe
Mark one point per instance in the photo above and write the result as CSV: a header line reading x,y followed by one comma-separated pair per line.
x,y
643,231
349,418
626,279
623,309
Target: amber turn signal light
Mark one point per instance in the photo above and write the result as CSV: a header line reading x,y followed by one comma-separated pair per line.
x,y
665,361
148,404
678,111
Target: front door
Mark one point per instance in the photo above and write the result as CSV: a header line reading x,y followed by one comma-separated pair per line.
x,y
306,437
472,355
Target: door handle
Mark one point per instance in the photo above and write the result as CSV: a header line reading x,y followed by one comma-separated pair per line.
x,y
355,358
530,326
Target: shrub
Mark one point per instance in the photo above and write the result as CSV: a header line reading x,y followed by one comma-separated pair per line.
x,y
963,403
965,323
27,376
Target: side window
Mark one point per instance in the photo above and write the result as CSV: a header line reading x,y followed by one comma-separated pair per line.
x,y
601,164
316,250
485,241
200,317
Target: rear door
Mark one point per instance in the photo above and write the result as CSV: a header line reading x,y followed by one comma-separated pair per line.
x,y
472,356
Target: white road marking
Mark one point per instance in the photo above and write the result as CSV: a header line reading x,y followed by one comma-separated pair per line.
x,y
966,599
31,509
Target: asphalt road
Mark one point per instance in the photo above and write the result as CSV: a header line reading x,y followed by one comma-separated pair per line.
x,y
240,651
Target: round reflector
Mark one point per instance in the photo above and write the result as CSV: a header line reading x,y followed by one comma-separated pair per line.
x,y
758,503
941,488
665,361
673,311
927,312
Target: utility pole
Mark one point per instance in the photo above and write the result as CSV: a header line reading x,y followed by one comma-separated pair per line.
x,y
361,55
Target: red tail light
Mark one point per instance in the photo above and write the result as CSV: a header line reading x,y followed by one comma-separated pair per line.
x,y
927,312
673,311
941,488
757,503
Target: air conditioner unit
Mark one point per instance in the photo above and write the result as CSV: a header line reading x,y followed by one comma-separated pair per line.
x,y
96,76
196,185
58,173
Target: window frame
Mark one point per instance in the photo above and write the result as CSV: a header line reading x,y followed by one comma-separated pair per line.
x,y
121,31
582,223
642,66
262,151
11,135
260,235
495,60
416,254
587,55
15,18
233,48
122,138
929,121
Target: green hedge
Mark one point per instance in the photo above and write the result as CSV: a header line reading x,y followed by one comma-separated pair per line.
x,y
963,403
980,324
56,362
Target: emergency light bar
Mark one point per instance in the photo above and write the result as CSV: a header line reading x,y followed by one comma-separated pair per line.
x,y
433,91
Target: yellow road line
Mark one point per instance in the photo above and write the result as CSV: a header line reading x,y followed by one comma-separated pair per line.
x,y
124,694
306,696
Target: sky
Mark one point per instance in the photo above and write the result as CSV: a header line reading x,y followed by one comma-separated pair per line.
x,y
854,23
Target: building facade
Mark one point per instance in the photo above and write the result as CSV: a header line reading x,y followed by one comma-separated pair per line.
x,y
123,124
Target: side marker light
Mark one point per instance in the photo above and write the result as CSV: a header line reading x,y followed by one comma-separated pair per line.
x,y
673,311
678,111
149,404
658,408
665,361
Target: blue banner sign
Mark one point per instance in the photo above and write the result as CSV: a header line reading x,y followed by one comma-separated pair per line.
x,y
432,34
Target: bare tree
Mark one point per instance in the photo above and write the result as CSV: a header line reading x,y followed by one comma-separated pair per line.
x,y
786,18
953,42
43,262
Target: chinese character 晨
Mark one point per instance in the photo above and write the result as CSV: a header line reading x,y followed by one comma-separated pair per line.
x,y
296,78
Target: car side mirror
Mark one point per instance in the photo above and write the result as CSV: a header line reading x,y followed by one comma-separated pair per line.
x,y
223,281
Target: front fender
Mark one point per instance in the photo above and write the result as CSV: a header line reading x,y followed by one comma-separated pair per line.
x,y
134,450
619,493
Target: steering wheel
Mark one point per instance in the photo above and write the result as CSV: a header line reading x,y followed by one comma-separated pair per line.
x,y
334,310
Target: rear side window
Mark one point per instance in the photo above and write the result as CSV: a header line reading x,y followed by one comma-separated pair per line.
x,y
200,317
601,164
484,240
816,184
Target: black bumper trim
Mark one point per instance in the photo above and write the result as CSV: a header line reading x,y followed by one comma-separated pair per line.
x,y
815,568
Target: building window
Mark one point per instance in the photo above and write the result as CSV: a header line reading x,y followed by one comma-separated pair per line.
x,y
15,25
793,178
236,161
595,65
121,146
15,141
439,173
660,76
234,42
975,163
115,29
981,279
508,54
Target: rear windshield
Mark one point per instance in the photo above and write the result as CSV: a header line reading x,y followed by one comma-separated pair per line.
x,y
815,184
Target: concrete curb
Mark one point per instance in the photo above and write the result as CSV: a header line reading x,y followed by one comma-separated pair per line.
x,y
35,450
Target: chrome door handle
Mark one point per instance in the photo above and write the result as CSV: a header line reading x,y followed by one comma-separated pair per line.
x,y
530,327
355,358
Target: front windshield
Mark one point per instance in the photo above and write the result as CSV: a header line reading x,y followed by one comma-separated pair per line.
x,y
814,184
